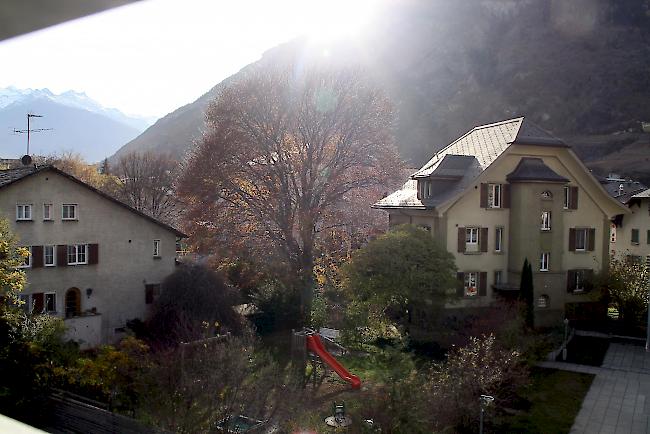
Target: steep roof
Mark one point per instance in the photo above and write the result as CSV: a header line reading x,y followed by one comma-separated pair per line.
x,y
643,194
484,144
534,169
11,176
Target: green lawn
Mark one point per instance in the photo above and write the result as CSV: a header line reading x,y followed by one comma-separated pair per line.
x,y
554,399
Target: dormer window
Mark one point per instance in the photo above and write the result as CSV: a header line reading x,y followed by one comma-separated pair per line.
x,y
426,189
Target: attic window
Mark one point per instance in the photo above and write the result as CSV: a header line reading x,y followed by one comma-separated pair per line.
x,y
547,195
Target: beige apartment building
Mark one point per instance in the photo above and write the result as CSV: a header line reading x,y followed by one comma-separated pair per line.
x,y
630,234
506,192
95,261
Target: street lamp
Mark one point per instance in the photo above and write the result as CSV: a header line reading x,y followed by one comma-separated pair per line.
x,y
485,400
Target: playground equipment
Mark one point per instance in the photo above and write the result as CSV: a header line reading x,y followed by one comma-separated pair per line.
x,y
309,340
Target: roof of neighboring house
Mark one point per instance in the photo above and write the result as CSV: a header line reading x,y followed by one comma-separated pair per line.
x,y
622,189
472,153
534,169
10,176
643,194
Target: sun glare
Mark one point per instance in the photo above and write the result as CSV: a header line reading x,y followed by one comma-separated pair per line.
x,y
329,21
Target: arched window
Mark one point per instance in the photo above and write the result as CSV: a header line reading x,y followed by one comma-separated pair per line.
x,y
72,302
547,195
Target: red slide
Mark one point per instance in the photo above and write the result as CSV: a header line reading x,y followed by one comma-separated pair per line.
x,y
315,345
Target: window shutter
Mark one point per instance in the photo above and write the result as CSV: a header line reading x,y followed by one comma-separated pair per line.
x,y
570,281
505,196
38,303
483,240
482,283
148,294
648,236
93,253
461,284
461,240
591,239
61,255
589,280
573,197
484,189
572,240
37,256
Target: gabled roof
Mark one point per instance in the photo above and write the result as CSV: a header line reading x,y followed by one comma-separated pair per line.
x,y
534,169
11,176
643,194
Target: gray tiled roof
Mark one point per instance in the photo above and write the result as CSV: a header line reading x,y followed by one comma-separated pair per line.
x,y
11,175
534,169
484,143
643,194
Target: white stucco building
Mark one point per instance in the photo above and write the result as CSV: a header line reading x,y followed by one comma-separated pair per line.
x,y
95,261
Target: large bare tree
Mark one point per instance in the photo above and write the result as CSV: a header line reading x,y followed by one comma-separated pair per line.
x,y
282,148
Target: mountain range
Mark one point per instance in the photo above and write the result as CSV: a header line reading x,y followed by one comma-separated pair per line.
x,y
78,124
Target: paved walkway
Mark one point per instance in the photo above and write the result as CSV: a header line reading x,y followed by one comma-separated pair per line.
x,y
618,400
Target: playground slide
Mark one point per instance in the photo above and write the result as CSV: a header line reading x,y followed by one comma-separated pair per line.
x,y
315,345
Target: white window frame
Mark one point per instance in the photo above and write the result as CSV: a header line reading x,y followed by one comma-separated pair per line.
x,y
498,239
75,207
48,207
29,258
76,254
567,198
471,239
546,221
156,248
544,260
45,263
585,231
471,277
45,295
20,212
494,196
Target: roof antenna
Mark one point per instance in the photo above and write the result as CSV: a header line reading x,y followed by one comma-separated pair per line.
x,y
28,131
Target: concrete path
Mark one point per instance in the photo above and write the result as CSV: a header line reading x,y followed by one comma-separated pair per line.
x,y
618,400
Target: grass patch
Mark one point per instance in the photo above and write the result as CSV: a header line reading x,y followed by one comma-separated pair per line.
x,y
554,399
586,350
379,366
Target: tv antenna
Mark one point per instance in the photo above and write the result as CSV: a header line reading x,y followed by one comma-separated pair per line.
x,y
31,130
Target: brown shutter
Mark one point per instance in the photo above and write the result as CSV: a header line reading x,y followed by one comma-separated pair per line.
x,y
572,240
148,294
38,303
460,291
589,280
483,240
61,255
591,239
482,283
570,281
461,240
505,196
93,253
573,197
37,256
484,189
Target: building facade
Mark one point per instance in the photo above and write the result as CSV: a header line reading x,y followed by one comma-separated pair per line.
x,y
504,193
630,236
95,261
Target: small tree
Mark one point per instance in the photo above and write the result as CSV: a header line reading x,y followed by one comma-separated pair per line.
x,y
626,283
194,303
526,293
396,272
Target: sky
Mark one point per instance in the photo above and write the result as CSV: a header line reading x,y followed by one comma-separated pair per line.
x,y
151,57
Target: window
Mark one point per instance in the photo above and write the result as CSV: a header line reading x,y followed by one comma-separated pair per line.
x,y
567,198
546,221
498,239
581,239
471,239
612,233
69,211
580,280
23,212
547,195
542,301
151,292
635,236
471,287
47,211
72,302
77,254
48,256
648,237
498,277
28,260
544,261
50,302
494,196
156,248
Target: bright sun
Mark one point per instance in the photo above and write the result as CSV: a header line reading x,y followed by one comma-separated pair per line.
x,y
328,21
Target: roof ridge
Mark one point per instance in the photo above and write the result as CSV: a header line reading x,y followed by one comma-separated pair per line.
x,y
494,124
